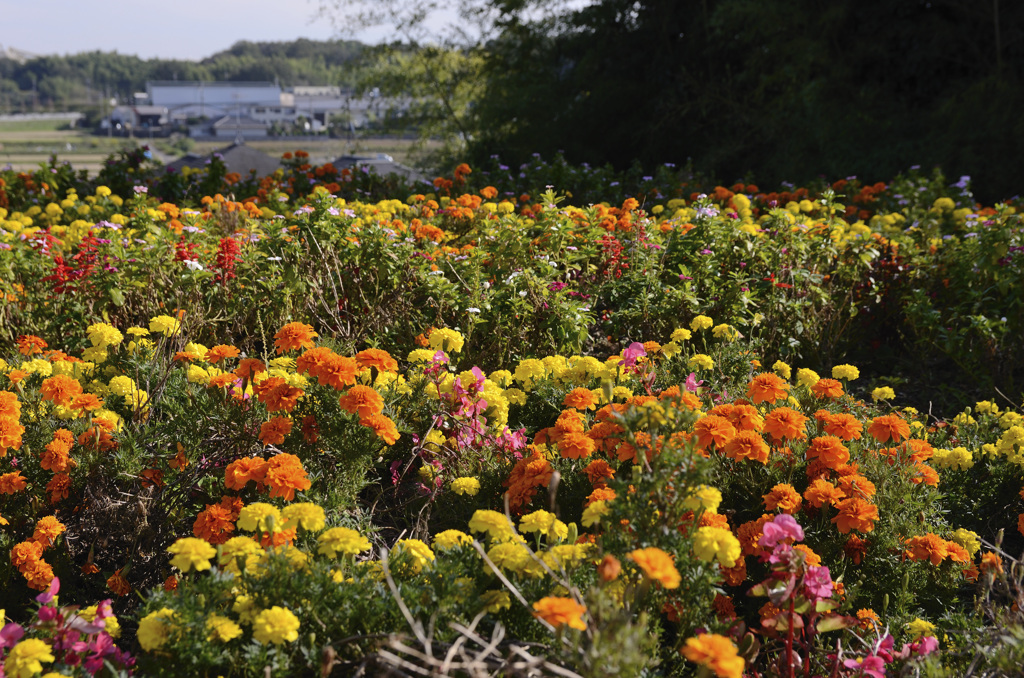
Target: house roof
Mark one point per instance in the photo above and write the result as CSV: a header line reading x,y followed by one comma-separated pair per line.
x,y
237,157
381,164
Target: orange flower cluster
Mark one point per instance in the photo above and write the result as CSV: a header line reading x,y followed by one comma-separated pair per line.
x,y
294,336
715,652
829,389
580,399
56,454
767,387
747,445
11,429
383,427
98,437
327,367
783,497
282,473
935,549
785,423
27,556
216,522
60,390
361,400
273,432
375,357
657,566
855,514
277,394
220,353
30,344
527,475
13,482
889,427
713,429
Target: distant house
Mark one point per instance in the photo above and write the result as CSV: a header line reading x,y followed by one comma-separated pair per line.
x,y
237,158
190,99
381,164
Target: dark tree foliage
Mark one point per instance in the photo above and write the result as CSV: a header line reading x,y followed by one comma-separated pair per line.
x,y
769,90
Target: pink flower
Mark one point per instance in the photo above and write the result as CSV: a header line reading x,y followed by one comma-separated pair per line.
x,y
783,526
818,582
629,355
692,384
10,635
47,595
868,666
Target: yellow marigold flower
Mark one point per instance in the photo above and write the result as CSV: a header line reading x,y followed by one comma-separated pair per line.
x,y
681,334
191,552
701,361
221,628
260,516
495,524
102,335
545,523
847,372
447,340
495,601
450,539
419,554
807,377
782,369
278,625
342,540
968,539
514,396
593,513
26,658
719,543
715,652
708,498
725,331
137,331
468,486
511,555
919,628
245,607
530,371
882,393
155,629
122,386
309,516
165,325
657,566
701,322
959,458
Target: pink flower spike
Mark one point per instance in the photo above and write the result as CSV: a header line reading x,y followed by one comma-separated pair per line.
x,y
47,595
782,527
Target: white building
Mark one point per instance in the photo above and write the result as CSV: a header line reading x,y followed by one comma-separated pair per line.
x,y
195,99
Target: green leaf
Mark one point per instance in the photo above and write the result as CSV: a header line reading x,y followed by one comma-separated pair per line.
x,y
833,623
117,297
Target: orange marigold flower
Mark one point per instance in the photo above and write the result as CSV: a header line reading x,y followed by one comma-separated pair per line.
x,y
828,388
600,494
60,389
747,445
222,380
59,487
294,336
221,352
991,563
338,371
746,418
375,357
361,400
609,568
285,475
735,575
715,652
829,450
241,471
843,425
930,547
274,431
811,558
118,584
821,492
38,575
598,471
527,475
248,368
12,482
10,407
855,514
576,445
767,387
30,344
382,426
87,402
750,534
280,396
657,566
581,399
783,497
856,485
48,528
785,423
920,450
923,473
723,607
10,435
713,429
171,583
957,553
889,427
214,524
561,612
869,620
25,553
90,568
855,548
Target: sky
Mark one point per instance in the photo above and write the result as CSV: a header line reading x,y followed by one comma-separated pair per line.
x,y
168,29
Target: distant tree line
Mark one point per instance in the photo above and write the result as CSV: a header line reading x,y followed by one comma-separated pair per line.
x,y
90,78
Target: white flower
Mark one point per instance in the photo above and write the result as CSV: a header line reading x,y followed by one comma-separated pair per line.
x,y
472,309
193,264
